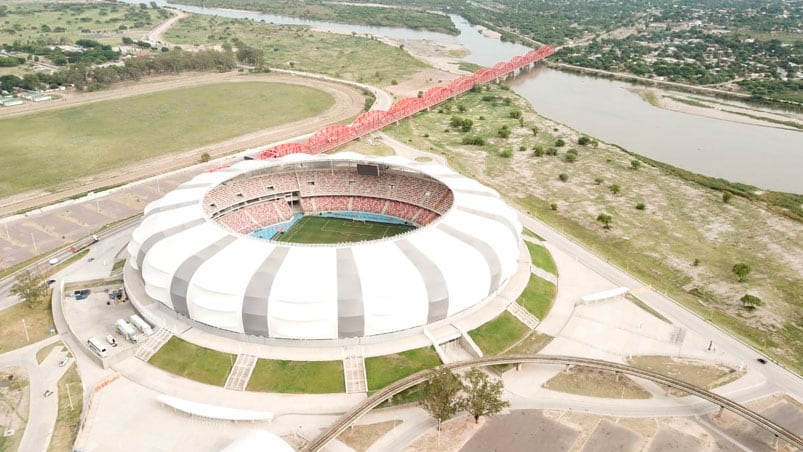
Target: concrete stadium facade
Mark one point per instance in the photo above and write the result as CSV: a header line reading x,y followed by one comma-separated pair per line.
x,y
195,265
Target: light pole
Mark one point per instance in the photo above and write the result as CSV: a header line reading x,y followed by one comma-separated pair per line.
x,y
69,396
25,327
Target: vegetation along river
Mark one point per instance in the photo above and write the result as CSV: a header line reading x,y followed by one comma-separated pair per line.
x,y
767,157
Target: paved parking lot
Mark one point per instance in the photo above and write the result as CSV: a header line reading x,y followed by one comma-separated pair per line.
x,y
94,317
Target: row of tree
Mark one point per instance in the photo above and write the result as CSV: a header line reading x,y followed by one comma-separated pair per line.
x,y
87,77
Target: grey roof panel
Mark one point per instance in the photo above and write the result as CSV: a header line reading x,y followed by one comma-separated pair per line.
x,y
159,236
434,281
487,251
495,217
350,309
255,300
181,278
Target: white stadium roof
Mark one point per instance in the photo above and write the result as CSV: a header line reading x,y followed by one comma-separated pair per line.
x,y
198,268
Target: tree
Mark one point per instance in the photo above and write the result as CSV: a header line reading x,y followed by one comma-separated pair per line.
x,y
741,271
583,141
605,219
30,288
440,395
751,301
726,197
559,142
483,396
635,164
205,157
563,177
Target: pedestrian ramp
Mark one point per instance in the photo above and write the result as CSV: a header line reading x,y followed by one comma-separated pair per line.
x,y
354,371
523,315
241,372
153,344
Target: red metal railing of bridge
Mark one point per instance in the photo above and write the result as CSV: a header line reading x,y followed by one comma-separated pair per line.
x,y
336,135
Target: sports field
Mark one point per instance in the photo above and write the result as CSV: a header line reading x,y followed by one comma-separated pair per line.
x,y
44,150
311,229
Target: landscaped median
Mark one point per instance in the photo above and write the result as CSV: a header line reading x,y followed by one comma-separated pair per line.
x,y
541,258
538,297
297,377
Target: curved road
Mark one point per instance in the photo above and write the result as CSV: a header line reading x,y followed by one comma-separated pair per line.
x,y
352,416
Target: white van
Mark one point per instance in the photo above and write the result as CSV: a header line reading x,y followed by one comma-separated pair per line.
x,y
97,346
141,324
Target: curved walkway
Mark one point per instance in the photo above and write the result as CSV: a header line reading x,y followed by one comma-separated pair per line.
x,y
352,416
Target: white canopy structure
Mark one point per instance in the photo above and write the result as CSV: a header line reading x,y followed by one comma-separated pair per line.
x,y
202,269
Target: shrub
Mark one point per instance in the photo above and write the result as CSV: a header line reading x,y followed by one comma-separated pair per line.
x,y
635,164
615,189
551,151
605,219
750,301
507,153
598,180
205,157
726,197
516,114
584,140
461,108
553,206
522,148
538,151
563,177
535,131
559,142
640,206
504,132
474,141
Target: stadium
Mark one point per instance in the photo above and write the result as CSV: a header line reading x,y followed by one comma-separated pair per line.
x,y
327,247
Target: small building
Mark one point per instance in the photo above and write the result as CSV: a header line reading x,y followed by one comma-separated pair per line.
x,y
36,97
10,101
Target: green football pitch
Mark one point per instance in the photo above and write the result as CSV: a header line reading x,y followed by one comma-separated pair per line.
x,y
312,229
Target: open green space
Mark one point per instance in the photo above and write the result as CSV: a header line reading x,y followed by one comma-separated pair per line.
x,y
188,360
384,370
45,150
296,47
685,243
343,12
499,334
55,22
38,321
541,258
68,420
538,297
308,377
313,229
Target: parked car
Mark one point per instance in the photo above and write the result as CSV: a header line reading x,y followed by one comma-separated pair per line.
x,y
111,340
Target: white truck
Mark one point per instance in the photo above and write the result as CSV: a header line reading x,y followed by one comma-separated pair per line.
x,y
126,330
141,324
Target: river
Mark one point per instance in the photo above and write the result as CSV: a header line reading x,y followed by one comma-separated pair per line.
x,y
767,157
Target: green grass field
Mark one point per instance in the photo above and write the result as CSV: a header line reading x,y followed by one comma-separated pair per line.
x,y
187,360
541,258
308,377
311,229
384,370
538,297
46,150
500,333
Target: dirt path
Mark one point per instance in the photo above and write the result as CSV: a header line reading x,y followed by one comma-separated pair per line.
x,y
348,103
157,34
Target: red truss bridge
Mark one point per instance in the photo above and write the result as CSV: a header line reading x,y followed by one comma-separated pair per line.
x,y
333,136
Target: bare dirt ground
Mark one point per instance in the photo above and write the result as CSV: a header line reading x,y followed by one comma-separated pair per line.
x,y
157,34
348,103
453,435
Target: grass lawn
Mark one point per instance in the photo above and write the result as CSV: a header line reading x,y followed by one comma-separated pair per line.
x,y
191,361
47,149
596,383
38,321
500,333
312,229
384,370
541,258
309,377
538,297
43,352
296,47
699,373
68,419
